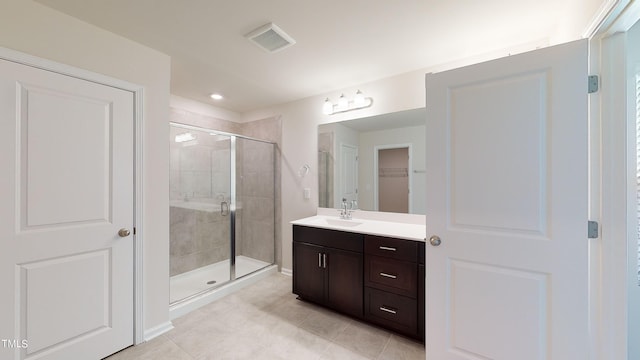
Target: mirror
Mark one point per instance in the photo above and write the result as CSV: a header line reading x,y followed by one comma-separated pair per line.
x,y
375,163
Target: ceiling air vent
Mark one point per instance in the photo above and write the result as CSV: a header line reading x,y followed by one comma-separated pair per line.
x,y
270,38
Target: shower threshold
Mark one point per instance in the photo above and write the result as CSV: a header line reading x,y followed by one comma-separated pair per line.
x,y
196,281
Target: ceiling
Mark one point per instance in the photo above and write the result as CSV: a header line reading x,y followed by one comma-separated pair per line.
x,y
340,43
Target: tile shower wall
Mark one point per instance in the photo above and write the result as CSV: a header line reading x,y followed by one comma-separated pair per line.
x,y
198,238
199,233
201,237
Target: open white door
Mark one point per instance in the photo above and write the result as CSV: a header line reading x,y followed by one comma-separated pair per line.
x,y
66,151
507,196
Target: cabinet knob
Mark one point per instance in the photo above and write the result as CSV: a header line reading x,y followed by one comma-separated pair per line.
x,y
435,240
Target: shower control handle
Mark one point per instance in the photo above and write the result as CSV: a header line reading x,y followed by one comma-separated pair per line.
x,y
224,208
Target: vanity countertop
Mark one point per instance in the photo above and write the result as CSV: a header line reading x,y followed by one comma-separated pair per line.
x,y
396,229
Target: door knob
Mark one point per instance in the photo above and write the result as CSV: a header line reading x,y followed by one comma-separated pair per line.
x,y
124,232
435,240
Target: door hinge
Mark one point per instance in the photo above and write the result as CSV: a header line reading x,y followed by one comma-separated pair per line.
x,y
594,83
592,230
134,230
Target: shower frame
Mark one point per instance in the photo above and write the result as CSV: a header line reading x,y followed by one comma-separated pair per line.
x,y
232,204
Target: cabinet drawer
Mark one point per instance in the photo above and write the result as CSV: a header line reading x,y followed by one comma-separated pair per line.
x,y
390,310
395,276
330,238
391,248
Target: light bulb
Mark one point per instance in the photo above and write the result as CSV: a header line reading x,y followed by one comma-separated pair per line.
x,y
327,108
359,101
216,96
184,137
343,103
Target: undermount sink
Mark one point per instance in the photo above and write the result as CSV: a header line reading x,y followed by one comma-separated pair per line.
x,y
338,222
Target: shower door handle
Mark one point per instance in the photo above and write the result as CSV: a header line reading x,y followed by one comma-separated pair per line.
x,y
223,211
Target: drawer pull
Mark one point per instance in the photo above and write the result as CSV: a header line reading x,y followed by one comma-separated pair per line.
x,y
387,248
319,260
388,275
386,309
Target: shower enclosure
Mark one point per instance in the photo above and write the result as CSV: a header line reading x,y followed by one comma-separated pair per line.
x,y
222,200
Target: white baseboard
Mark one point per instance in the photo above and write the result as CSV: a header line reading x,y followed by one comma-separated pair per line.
x,y
287,272
157,331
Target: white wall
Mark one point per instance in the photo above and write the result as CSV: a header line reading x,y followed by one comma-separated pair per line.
x,y
37,30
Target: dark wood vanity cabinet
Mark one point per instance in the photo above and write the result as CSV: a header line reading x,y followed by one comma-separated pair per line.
x,y
328,268
378,279
394,284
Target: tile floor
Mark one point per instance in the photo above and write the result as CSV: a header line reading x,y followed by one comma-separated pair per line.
x,y
265,321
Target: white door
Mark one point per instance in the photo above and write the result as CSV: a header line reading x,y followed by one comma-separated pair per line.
x,y
349,173
66,188
507,196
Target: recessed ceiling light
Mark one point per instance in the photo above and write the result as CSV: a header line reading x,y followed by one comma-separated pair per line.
x,y
216,96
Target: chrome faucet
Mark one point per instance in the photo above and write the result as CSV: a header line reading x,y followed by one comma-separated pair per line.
x,y
345,212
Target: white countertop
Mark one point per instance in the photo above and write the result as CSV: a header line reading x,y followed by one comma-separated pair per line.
x,y
396,229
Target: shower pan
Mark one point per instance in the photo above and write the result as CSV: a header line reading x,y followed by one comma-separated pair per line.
x,y
222,209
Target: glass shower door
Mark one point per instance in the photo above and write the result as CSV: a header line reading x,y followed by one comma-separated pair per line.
x,y
255,208
200,211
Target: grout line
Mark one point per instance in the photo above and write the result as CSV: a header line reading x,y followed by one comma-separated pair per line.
x,y
384,347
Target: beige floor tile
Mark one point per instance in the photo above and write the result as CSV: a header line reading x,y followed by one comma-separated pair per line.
x,y
399,348
290,310
291,342
363,339
325,323
158,348
339,352
266,321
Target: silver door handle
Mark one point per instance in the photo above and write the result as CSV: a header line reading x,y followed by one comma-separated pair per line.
x,y
387,248
388,275
124,232
435,240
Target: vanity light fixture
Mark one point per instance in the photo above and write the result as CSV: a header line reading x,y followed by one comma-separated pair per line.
x,y
344,104
216,96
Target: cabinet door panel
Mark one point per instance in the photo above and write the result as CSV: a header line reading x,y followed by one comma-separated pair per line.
x,y
345,281
308,275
